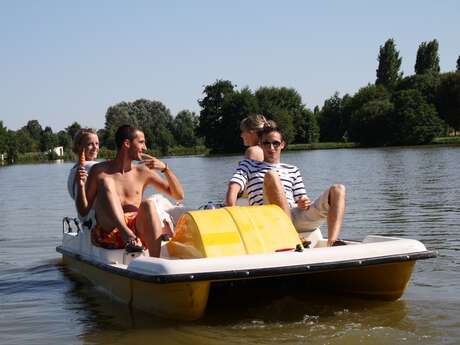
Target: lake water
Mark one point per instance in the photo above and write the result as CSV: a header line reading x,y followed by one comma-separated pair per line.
x,y
407,192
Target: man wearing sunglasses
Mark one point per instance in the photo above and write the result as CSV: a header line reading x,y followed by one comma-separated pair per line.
x,y
273,182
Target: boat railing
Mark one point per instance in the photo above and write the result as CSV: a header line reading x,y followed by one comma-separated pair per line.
x,y
67,225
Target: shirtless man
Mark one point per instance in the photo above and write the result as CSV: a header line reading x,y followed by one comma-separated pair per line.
x,y
273,182
115,188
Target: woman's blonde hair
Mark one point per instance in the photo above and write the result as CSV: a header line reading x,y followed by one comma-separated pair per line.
x,y
79,138
256,122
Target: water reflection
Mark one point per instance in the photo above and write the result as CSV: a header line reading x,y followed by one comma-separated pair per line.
x,y
313,315
398,191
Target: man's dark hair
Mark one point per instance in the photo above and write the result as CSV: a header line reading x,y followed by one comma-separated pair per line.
x,y
124,132
268,129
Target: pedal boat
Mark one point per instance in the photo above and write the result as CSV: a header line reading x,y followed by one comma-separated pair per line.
x,y
230,245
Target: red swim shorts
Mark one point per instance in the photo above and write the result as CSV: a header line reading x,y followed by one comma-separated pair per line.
x,y
112,239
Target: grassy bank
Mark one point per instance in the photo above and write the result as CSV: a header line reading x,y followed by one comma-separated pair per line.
x,y
320,146
451,140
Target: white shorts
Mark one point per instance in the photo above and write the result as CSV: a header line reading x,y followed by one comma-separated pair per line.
x,y
313,217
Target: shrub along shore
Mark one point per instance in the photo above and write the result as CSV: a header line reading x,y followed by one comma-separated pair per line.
x,y
37,157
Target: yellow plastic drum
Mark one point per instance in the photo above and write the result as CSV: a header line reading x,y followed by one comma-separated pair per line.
x,y
232,231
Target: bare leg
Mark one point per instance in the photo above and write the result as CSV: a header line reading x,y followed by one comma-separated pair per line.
x,y
149,227
336,212
109,211
274,192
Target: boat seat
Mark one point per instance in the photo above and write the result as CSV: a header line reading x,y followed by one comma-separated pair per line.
x,y
120,256
81,243
315,237
175,211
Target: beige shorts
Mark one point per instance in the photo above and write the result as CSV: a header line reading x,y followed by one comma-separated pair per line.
x,y
313,217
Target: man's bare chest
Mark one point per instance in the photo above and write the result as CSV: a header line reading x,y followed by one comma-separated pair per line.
x,y
129,187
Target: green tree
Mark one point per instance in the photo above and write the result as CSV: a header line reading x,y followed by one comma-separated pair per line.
x,y
23,141
284,106
12,146
73,129
307,127
458,64
116,116
211,116
152,117
3,138
155,119
427,84
414,120
119,115
331,119
448,99
185,125
35,129
427,60
388,73
64,140
32,141
48,140
236,107
366,94
366,110
369,124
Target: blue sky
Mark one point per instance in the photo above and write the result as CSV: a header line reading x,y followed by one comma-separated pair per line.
x,y
66,61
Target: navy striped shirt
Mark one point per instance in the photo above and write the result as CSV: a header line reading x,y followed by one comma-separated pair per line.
x,y
250,176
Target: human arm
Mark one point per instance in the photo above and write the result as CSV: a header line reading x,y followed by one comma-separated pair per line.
x,y
232,193
174,186
303,202
237,183
86,186
255,153
171,184
298,191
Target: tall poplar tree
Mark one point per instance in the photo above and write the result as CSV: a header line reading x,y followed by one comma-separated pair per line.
x,y
427,58
388,73
458,64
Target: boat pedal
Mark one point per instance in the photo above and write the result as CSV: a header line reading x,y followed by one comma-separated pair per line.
x,y
339,243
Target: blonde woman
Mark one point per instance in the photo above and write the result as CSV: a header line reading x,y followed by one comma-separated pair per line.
x,y
85,147
250,128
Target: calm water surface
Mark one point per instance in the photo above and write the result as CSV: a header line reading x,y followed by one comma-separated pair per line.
x,y
412,193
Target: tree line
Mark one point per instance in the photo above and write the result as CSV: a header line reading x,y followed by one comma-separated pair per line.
x,y
397,110
394,110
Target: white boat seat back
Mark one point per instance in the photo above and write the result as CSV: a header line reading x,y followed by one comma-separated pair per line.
x,y
164,205
315,237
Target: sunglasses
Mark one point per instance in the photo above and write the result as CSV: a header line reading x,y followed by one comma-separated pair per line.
x,y
276,144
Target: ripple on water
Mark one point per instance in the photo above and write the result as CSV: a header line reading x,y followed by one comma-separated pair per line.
x,y
400,192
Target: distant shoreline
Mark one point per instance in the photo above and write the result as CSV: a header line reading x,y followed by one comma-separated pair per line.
x,y
439,141
203,151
